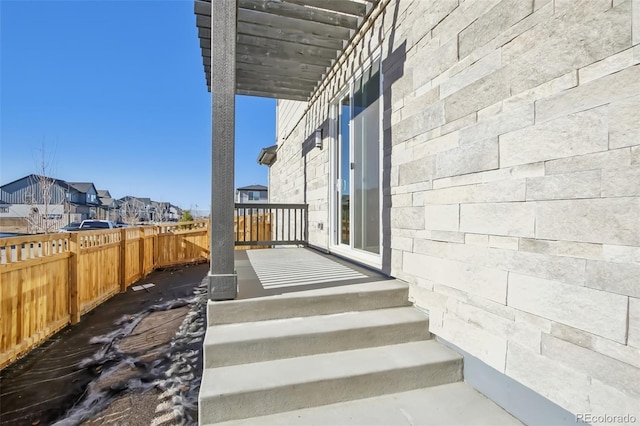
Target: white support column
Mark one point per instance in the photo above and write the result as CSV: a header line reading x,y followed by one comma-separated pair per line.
x,y
222,276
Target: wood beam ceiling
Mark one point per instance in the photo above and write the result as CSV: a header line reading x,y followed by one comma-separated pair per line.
x,y
343,6
284,47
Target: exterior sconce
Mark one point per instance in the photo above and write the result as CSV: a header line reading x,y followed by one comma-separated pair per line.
x,y
318,138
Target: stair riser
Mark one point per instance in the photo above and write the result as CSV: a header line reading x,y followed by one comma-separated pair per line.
x,y
278,308
276,400
218,355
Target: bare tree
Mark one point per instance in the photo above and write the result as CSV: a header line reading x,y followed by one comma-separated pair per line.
x,y
40,197
161,212
131,209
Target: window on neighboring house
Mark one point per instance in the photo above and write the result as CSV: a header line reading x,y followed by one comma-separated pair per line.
x,y
254,195
4,209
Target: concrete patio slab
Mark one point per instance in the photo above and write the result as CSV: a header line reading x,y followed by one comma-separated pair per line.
x,y
250,283
289,267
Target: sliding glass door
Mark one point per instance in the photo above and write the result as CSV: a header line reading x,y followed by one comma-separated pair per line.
x,y
357,164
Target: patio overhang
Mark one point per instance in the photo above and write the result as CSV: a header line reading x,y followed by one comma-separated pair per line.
x,y
284,48
270,48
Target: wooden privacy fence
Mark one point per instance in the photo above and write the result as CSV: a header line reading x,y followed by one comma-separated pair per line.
x,y
179,243
49,281
34,291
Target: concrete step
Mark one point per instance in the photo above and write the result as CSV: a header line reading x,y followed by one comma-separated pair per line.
x,y
249,342
451,404
331,300
269,387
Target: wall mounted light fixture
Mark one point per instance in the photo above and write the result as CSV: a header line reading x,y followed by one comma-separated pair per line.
x,y
318,138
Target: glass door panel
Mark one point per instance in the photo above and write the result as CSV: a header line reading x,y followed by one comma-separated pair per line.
x,y
344,172
366,161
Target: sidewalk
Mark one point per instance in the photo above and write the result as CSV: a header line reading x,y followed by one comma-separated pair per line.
x,y
135,353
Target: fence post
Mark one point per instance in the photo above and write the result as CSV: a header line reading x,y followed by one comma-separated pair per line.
x,y
74,294
141,252
156,251
123,259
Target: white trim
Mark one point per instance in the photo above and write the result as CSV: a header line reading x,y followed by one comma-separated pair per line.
x,y
364,257
381,160
352,159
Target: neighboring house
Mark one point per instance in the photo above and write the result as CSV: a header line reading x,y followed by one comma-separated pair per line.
x,y
108,206
175,213
487,153
135,209
252,194
34,190
84,200
163,211
34,203
9,221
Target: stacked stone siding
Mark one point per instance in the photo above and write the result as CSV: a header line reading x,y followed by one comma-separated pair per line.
x,y
512,140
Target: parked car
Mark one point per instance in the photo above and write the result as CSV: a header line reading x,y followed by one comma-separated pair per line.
x,y
96,224
73,226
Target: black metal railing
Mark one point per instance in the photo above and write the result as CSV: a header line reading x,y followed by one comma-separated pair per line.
x,y
260,224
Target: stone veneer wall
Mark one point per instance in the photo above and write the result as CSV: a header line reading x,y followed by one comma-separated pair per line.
x,y
512,140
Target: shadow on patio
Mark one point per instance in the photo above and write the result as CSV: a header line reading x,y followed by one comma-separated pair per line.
x,y
269,272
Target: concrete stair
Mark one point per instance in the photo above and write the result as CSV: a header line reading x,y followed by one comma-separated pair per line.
x,y
452,404
267,359
248,342
333,300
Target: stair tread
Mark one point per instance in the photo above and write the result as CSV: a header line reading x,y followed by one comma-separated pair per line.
x,y
298,326
289,372
449,404
329,300
376,286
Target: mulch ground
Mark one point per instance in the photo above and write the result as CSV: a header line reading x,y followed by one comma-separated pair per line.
x,y
121,359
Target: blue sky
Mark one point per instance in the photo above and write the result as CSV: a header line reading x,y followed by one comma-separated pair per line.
x,y
115,93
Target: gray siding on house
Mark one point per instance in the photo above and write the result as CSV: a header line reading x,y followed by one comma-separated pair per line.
x,y
84,193
511,169
28,190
